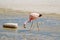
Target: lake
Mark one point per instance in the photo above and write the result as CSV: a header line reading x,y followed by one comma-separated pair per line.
x,y
49,28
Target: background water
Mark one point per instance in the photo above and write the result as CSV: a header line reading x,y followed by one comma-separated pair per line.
x,y
49,28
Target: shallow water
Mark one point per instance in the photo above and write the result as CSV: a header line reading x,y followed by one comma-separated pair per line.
x,y
49,29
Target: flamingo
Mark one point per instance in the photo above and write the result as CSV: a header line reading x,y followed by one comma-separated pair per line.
x,y
32,16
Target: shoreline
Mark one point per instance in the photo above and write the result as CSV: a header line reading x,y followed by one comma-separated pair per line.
x,y
18,13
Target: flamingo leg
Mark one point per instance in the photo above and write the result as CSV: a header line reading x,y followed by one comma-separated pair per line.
x,y
38,26
31,25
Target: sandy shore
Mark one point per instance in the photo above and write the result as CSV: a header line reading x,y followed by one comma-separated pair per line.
x,y
16,13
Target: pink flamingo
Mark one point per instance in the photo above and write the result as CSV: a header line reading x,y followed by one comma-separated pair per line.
x,y
32,16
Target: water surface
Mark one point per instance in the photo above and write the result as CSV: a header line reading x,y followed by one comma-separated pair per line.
x,y
49,28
